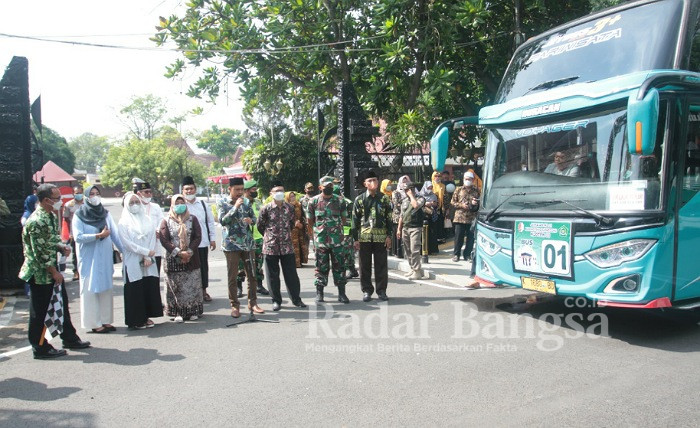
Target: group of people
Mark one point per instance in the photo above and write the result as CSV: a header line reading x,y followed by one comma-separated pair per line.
x,y
259,239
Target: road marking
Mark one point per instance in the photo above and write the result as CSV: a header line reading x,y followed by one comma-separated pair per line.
x,y
15,352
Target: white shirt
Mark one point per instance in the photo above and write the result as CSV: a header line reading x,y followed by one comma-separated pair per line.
x,y
155,212
196,208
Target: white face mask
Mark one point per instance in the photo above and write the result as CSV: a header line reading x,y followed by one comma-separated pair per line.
x,y
190,197
57,205
279,196
135,209
94,200
468,182
146,200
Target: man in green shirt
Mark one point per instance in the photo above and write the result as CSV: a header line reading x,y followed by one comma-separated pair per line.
x,y
371,230
41,242
326,214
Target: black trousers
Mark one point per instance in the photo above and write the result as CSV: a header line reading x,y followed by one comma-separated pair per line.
x,y
396,245
38,305
74,255
291,279
378,252
463,231
204,266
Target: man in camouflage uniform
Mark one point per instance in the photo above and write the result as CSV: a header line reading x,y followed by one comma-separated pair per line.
x,y
250,189
304,201
326,214
348,242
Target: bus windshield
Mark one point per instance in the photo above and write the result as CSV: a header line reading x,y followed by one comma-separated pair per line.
x,y
632,40
582,163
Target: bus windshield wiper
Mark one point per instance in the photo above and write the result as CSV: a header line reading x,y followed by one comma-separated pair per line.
x,y
495,211
553,83
605,221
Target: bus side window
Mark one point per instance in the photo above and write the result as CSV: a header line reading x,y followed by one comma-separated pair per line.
x,y
694,64
691,181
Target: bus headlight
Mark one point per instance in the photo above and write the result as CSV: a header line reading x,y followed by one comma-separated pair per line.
x,y
487,245
616,254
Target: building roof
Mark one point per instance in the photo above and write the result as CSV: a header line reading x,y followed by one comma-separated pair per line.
x,y
52,173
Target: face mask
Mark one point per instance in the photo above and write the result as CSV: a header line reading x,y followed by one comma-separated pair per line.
x,y
135,209
253,195
389,188
57,205
468,182
180,208
147,200
279,196
246,201
190,197
94,200
327,191
78,197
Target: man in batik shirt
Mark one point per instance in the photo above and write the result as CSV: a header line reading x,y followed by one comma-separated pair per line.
x,y
326,216
41,242
275,223
236,217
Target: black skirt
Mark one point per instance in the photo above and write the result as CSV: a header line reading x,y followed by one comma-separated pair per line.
x,y
142,300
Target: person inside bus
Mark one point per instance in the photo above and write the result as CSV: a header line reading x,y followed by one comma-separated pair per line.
x,y
562,166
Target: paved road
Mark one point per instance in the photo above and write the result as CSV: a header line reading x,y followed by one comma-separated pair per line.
x,y
434,355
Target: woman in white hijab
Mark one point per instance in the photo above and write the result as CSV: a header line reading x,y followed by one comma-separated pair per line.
x,y
141,282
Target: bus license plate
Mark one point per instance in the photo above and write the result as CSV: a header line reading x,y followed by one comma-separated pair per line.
x,y
537,284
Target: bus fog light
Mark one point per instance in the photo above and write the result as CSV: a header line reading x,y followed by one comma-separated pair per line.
x,y
616,254
625,284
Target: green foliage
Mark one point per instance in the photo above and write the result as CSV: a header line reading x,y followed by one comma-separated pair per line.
x,y
90,151
221,142
55,148
143,116
602,4
298,156
153,161
406,58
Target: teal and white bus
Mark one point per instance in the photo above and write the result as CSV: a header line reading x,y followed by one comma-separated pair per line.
x,y
592,167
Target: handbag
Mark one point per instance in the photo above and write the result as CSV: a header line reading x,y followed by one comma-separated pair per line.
x,y
116,257
448,223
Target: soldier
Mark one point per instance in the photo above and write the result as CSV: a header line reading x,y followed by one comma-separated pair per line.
x,y
250,189
348,243
326,215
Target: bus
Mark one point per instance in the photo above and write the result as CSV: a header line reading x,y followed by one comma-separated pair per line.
x,y
592,164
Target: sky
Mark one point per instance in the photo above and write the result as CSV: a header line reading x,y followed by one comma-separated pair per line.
x,y
83,88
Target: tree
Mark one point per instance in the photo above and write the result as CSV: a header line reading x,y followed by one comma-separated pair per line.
x,y
55,148
143,116
153,161
412,62
298,156
90,151
221,142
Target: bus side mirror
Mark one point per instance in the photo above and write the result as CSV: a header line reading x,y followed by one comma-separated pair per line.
x,y
642,121
438,148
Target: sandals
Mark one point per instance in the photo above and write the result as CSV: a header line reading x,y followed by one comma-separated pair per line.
x,y
101,330
207,297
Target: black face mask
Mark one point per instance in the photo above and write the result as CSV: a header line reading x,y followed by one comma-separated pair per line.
x,y
253,195
327,191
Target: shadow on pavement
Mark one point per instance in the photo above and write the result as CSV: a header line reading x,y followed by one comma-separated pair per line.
x,y
33,418
27,390
132,357
668,330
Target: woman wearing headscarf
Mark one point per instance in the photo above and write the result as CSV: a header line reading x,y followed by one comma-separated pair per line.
x,y
397,198
300,241
94,232
180,235
431,214
141,282
439,190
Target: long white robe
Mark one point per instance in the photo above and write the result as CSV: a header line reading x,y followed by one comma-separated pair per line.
x,y
96,268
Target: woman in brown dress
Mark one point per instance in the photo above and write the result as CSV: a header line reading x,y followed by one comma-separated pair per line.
x,y
180,235
300,240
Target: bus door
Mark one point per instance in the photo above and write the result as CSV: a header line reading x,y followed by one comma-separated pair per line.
x,y
688,260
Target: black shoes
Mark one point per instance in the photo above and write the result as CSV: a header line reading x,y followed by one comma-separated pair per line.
x,y
342,298
240,291
51,353
76,344
276,306
366,297
262,290
382,296
319,295
354,273
299,304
